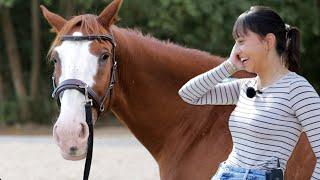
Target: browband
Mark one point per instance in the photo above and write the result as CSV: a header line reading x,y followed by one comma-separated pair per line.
x,y
88,38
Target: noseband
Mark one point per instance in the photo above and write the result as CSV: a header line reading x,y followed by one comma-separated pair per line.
x,y
92,99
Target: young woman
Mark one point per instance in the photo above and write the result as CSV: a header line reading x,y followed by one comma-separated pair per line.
x,y
272,109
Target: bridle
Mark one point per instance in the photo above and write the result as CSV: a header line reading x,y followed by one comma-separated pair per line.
x,y
92,99
81,86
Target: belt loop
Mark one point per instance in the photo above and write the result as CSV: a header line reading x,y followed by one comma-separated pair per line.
x,y
246,174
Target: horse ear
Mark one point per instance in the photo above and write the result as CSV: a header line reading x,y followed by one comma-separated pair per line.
x,y
56,21
109,15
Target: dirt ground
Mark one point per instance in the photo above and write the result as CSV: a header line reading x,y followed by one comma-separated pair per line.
x,y
31,154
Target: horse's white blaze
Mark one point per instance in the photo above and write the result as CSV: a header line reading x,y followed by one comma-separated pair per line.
x,y
76,63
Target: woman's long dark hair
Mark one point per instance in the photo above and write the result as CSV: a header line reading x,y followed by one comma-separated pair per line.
x,y
263,20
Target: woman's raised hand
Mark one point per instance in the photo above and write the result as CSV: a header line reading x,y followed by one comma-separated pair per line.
x,y
234,59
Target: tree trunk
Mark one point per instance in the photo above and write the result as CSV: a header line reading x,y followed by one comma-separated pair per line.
x,y
67,8
317,17
1,81
35,50
14,63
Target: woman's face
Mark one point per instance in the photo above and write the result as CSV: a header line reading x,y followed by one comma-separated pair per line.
x,y
252,51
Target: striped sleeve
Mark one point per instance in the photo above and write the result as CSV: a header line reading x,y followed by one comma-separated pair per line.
x,y
306,104
208,88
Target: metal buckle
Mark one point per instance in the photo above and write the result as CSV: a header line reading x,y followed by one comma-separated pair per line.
x,y
87,99
54,87
53,93
115,65
53,82
101,108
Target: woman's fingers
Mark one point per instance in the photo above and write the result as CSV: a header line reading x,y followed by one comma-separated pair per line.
x,y
235,59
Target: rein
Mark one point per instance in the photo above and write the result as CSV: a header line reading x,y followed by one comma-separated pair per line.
x,y
92,99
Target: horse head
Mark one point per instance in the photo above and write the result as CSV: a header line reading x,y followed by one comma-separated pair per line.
x,y
83,54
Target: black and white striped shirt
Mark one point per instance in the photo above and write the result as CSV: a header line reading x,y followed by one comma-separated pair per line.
x,y
265,128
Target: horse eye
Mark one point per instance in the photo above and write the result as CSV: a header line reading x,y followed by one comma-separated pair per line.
x,y
104,57
54,60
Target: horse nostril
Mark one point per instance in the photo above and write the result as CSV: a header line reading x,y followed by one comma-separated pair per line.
x,y
73,149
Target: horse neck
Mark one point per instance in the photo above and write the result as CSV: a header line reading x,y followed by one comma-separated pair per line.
x,y
149,76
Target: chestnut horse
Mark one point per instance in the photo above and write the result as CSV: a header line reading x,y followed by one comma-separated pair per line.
x,y
188,142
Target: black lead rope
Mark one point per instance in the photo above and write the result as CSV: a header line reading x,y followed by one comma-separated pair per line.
x,y
88,109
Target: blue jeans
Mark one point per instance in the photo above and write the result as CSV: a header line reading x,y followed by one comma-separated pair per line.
x,y
228,172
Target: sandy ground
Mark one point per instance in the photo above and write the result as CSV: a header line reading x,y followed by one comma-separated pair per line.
x,y
33,155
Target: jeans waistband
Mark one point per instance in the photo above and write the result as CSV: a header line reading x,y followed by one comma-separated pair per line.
x,y
243,170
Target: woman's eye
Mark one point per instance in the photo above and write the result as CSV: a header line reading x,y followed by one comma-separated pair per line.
x,y
54,60
240,41
104,57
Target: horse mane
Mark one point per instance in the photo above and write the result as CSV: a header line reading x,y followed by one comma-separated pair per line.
x,y
150,38
157,43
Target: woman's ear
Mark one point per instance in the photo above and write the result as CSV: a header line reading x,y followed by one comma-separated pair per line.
x,y
271,41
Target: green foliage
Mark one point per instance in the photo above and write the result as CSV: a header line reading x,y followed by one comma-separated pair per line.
x,y
7,3
6,111
200,24
47,2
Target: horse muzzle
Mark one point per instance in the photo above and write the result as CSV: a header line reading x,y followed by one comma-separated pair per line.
x,y
72,140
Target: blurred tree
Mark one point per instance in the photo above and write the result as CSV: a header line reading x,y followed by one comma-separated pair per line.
x,y
1,81
35,71
14,62
67,8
